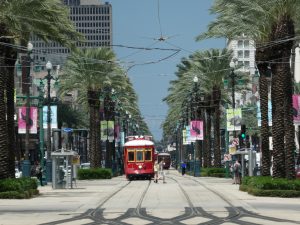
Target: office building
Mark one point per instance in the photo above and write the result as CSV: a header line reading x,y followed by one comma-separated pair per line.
x,y
92,18
244,51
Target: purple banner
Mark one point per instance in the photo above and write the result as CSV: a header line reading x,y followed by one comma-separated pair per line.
x,y
296,108
196,127
32,120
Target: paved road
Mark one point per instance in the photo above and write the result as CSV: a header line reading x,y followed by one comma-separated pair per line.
x,y
182,200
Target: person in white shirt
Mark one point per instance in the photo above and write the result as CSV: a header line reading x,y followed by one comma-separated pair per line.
x,y
156,169
161,169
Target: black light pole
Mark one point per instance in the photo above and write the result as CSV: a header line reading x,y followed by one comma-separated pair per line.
x,y
177,164
26,162
49,162
196,168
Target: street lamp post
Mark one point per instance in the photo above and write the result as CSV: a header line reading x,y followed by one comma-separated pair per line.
x,y
26,162
196,164
49,163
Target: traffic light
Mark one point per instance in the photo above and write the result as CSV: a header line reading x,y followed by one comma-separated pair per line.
x,y
243,131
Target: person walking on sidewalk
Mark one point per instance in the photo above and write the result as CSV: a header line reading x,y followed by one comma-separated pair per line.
x,y
156,169
183,167
161,169
237,172
39,173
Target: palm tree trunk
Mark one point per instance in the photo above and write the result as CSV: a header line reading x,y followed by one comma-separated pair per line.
x,y
289,127
4,153
264,130
207,137
95,153
11,111
282,154
217,113
5,168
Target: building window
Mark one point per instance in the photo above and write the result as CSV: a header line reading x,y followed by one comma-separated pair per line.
x,y
247,54
240,44
246,43
240,54
247,64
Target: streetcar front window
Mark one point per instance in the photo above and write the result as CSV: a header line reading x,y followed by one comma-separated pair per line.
x,y
148,155
130,156
139,156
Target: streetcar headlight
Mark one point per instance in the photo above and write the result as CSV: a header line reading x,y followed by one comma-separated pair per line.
x,y
140,166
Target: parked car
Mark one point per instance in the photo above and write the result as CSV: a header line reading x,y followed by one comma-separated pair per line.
x,y
18,173
85,166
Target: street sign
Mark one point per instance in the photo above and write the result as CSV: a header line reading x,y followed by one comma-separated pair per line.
x,y
68,130
232,149
227,157
76,160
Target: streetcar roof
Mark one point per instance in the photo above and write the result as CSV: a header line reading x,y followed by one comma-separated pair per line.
x,y
163,153
141,142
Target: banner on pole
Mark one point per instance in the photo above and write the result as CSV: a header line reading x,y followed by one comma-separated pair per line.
x,y
188,135
296,108
234,119
103,130
196,127
122,136
184,141
111,130
117,133
53,116
259,113
32,120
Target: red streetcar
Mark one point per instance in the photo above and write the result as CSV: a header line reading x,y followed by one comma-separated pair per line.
x,y
167,159
139,157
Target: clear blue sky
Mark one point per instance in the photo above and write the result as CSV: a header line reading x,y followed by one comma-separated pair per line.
x,y
136,23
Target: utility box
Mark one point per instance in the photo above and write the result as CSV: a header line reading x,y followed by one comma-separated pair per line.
x,y
63,172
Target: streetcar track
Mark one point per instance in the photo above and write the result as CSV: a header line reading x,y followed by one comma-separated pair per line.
x,y
234,212
237,212
91,213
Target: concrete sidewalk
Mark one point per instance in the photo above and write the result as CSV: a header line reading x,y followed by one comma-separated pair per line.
x,y
53,205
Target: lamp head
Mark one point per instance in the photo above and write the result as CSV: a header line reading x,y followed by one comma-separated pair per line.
x,y
29,47
195,79
49,66
233,63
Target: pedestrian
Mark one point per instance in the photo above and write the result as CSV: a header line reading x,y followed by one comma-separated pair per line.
x,y
183,167
161,169
236,172
156,169
39,173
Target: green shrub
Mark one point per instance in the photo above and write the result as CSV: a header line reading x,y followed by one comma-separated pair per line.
x,y
273,187
10,185
269,183
275,193
12,195
98,173
212,172
18,188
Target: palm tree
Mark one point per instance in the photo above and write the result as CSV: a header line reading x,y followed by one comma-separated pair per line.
x,y
271,25
211,69
47,19
212,64
87,71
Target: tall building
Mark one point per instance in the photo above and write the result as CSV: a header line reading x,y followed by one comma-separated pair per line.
x,y
244,51
92,18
